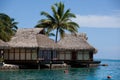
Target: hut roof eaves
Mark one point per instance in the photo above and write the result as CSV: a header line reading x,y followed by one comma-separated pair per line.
x,y
75,42
25,38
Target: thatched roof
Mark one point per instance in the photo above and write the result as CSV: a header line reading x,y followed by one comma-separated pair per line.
x,y
75,42
25,38
45,43
31,38
3,45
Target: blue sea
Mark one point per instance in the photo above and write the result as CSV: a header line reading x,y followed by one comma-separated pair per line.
x,y
94,73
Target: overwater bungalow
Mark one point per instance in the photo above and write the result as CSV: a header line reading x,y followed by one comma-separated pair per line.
x,y
77,50
31,48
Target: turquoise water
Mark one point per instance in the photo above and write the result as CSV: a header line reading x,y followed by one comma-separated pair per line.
x,y
96,73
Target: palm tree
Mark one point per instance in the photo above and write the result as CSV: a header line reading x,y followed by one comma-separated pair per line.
x,y
46,31
7,27
59,21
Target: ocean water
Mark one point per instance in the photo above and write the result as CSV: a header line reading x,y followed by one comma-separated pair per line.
x,y
95,73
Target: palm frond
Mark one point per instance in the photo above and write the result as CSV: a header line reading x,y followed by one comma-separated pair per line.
x,y
47,15
60,9
59,21
74,24
8,27
55,14
65,15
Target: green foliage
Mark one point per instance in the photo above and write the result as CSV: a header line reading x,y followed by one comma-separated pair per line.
x,y
7,27
59,21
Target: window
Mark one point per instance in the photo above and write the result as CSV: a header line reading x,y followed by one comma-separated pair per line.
x,y
86,55
80,55
40,55
47,54
22,56
5,55
54,54
11,56
61,55
68,55
16,56
28,56
34,54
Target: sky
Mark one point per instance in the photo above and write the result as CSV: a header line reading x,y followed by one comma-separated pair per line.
x,y
99,19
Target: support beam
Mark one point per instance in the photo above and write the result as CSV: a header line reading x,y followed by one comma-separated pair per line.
x,y
39,63
51,59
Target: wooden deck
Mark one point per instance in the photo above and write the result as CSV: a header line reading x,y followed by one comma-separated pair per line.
x,y
33,64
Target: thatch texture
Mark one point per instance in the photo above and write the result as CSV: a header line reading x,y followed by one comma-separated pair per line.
x,y
3,45
75,42
45,43
25,38
31,38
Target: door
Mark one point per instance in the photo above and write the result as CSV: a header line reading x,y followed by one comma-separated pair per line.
x,y
44,54
74,56
47,55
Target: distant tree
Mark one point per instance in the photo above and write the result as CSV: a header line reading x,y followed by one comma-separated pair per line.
x,y
7,27
59,21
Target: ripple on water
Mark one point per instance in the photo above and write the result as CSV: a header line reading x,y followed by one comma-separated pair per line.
x,y
97,73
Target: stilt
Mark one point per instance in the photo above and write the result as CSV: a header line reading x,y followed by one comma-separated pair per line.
x,y
88,65
39,65
51,59
50,64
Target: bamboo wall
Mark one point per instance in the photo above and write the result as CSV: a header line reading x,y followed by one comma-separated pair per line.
x,y
31,54
81,55
20,54
66,55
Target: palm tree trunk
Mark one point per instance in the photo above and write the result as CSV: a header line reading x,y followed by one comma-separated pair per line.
x,y
56,35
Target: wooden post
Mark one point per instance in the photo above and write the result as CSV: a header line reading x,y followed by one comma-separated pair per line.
x,y
14,53
38,52
19,53
50,64
25,53
39,65
38,58
88,64
8,55
91,55
51,59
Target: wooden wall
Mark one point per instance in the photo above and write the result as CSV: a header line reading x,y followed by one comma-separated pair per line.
x,y
80,55
31,54
83,55
20,54
47,55
64,55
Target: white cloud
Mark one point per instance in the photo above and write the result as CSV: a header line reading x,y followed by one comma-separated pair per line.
x,y
98,21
